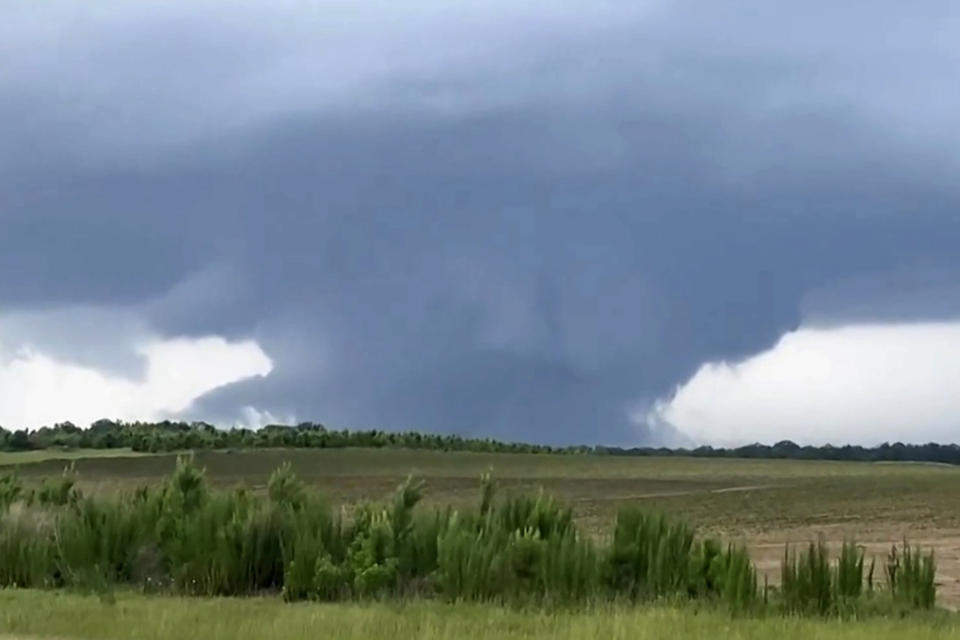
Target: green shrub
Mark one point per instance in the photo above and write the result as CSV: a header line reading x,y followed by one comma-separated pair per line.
x,y
10,490
733,578
300,561
570,569
330,581
849,572
911,577
371,554
187,488
650,556
26,550
806,581
284,488
541,513
471,563
59,491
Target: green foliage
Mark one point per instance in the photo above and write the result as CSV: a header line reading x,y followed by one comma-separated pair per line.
x,y
284,488
569,569
807,584
59,491
330,580
651,556
41,614
168,436
470,562
183,537
371,555
849,572
732,577
26,550
187,488
99,542
542,514
300,565
911,577
812,584
10,490
487,491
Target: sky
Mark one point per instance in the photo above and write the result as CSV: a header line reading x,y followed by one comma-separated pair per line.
x,y
636,223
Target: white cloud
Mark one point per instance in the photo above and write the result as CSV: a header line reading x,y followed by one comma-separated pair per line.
x,y
861,384
38,389
253,418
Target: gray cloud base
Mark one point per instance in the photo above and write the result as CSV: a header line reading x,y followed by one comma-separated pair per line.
x,y
526,225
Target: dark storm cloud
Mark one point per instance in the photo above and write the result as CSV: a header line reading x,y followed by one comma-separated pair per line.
x,y
519,223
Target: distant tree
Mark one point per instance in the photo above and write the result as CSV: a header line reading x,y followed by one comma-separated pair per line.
x,y
19,441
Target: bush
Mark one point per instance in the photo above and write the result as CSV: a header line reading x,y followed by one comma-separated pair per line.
x,y
651,556
911,577
10,490
59,491
284,488
806,582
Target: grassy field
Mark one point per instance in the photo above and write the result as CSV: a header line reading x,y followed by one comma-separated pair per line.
x,y
726,496
43,455
47,615
765,503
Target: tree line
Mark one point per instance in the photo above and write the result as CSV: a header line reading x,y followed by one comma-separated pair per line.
x,y
169,436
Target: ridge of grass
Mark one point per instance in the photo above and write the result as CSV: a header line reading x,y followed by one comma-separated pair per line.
x,y
45,615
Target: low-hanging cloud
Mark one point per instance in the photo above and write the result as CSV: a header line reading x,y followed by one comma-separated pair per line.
x,y
864,384
38,389
529,236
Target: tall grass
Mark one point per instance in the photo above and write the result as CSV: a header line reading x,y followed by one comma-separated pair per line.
x,y
182,537
910,576
652,557
812,583
807,581
39,614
